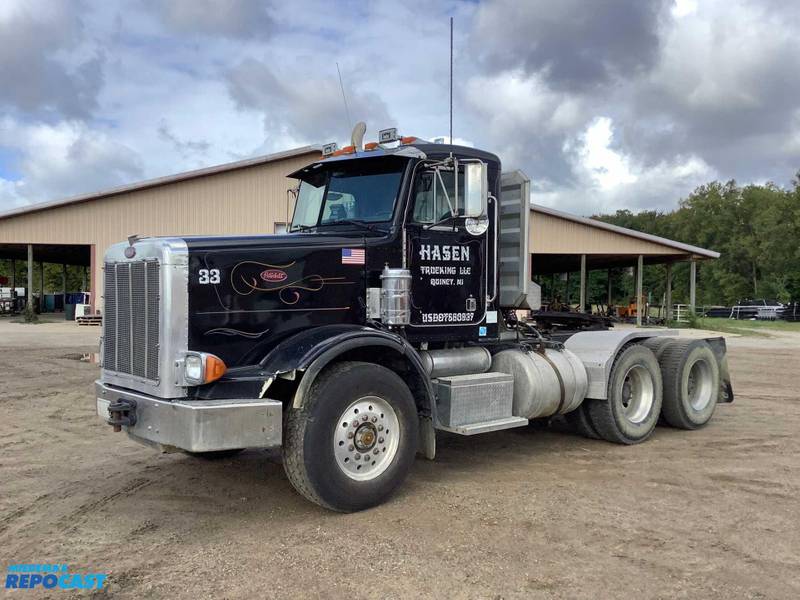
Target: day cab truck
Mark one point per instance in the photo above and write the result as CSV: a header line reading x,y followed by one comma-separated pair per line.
x,y
386,314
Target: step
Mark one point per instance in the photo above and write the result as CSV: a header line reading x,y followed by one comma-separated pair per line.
x,y
486,426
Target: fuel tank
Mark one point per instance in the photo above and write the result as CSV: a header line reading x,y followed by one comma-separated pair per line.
x,y
547,383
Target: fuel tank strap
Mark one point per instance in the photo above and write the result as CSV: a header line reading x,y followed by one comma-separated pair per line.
x,y
563,396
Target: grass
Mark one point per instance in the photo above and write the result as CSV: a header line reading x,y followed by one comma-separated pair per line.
x,y
751,328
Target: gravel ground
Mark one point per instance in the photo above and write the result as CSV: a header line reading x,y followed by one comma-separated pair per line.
x,y
519,514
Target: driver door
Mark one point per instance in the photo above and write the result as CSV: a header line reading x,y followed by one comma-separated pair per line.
x,y
447,263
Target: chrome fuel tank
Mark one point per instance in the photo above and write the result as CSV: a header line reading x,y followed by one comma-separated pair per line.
x,y
545,384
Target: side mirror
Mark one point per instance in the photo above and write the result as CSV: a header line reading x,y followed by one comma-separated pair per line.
x,y
476,189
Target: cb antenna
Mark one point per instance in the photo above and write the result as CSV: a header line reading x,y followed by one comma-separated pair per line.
x,y
344,99
451,80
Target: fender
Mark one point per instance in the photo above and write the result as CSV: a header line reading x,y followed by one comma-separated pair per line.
x,y
598,349
311,350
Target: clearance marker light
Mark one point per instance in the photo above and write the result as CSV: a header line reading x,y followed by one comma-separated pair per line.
x,y
387,135
329,149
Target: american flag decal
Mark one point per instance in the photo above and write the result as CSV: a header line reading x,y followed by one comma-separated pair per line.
x,y
353,256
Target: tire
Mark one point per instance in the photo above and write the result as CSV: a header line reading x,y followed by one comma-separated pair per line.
x,y
691,383
351,411
631,411
580,422
658,344
216,454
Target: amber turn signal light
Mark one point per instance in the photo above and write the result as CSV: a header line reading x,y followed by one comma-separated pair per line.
x,y
215,369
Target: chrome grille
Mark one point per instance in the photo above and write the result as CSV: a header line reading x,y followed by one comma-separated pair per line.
x,y
131,320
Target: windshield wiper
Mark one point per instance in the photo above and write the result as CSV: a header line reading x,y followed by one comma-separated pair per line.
x,y
356,222
294,228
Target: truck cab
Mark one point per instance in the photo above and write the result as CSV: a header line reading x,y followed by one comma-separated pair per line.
x,y
386,313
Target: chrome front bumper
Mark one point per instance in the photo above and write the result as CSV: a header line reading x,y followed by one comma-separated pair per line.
x,y
197,425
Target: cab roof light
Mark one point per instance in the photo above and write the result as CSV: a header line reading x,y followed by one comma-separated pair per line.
x,y
345,150
408,140
388,135
329,149
371,146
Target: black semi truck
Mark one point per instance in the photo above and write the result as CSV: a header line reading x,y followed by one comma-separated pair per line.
x,y
384,315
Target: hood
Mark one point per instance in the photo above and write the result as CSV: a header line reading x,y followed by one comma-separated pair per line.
x,y
247,293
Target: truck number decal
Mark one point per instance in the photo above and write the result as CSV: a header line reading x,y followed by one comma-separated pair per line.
x,y
447,317
208,276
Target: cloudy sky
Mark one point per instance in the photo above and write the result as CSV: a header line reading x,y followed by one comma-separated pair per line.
x,y
605,104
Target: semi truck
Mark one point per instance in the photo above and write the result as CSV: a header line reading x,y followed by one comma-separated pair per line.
x,y
385,315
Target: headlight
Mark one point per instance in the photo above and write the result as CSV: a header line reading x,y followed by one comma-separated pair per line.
x,y
199,368
193,368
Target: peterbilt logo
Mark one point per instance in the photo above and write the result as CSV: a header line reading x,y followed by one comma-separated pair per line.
x,y
273,275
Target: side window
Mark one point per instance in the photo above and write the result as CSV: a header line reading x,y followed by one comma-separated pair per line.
x,y
435,194
309,202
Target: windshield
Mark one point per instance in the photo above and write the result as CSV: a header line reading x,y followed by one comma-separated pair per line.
x,y
356,190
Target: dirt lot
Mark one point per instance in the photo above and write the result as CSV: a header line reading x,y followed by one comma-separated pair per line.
x,y
519,514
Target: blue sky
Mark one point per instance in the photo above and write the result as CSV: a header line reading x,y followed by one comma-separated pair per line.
x,y
605,105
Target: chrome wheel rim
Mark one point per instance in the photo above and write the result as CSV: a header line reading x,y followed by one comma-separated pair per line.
x,y
637,394
698,386
366,438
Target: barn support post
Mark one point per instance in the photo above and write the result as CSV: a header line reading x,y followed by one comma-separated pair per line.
x,y
608,284
64,285
13,273
30,277
583,283
639,303
41,287
668,295
566,290
93,279
692,285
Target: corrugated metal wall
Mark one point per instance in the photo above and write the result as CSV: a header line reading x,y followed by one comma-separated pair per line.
x,y
244,201
550,234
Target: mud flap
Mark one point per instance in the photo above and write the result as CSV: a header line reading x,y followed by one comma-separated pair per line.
x,y
725,387
720,350
427,438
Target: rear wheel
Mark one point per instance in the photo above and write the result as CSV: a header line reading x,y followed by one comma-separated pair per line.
x,y
352,443
578,419
631,411
658,344
691,383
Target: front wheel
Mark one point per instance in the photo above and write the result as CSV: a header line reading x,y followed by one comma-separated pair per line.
x,y
352,443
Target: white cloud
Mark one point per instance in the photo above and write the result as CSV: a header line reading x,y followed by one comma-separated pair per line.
x,y
684,8
58,159
609,179
606,167
514,101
